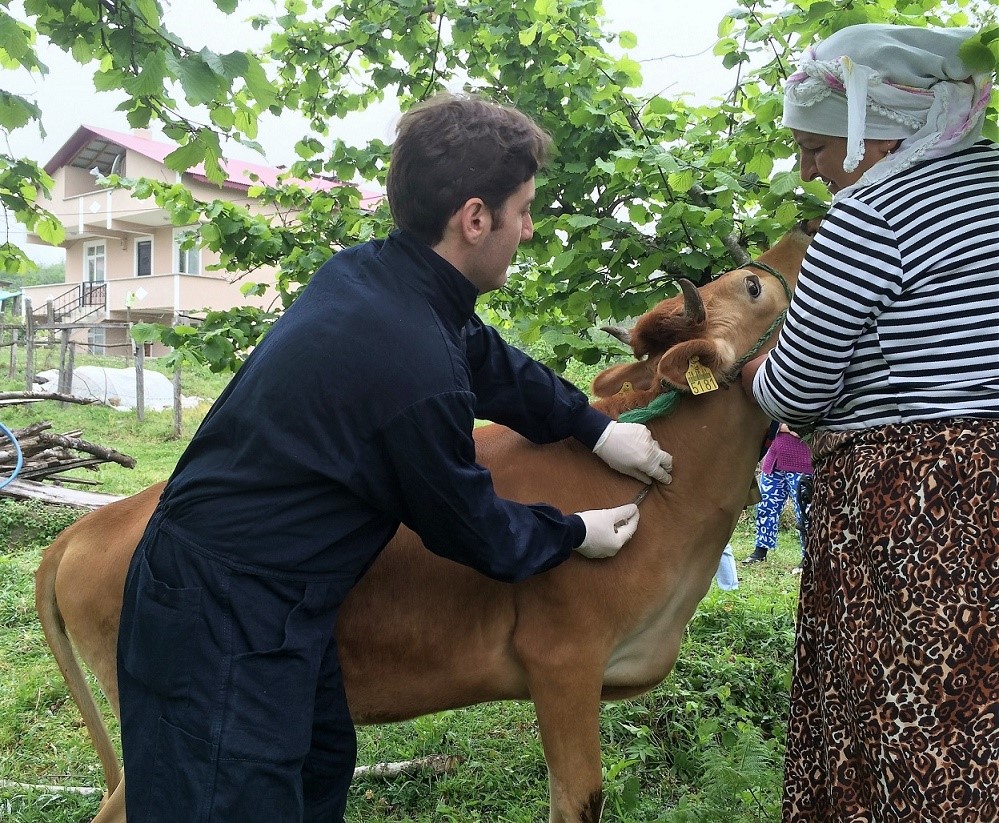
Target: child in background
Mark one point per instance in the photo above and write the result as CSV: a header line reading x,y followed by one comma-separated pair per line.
x,y
786,462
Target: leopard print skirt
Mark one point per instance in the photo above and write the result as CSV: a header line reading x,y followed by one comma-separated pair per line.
x,y
895,695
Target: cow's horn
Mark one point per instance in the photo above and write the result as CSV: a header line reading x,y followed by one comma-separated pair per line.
x,y
622,334
693,306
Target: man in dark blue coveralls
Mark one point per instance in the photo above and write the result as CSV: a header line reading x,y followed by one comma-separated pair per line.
x,y
353,415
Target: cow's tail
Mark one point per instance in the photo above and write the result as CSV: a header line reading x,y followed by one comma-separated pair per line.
x,y
62,649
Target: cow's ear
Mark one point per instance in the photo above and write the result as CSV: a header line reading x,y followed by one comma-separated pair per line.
x,y
663,327
674,364
616,379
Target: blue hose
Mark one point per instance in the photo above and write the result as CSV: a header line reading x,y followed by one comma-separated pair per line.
x,y
17,451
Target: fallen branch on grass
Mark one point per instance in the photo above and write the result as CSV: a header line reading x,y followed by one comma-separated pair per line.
x,y
434,763
14,398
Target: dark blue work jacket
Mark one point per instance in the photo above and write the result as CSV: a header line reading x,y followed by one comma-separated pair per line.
x,y
355,413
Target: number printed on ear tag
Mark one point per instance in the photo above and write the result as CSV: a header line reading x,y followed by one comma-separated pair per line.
x,y
699,378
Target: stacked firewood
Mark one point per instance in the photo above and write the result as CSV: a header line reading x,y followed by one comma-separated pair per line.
x,y
46,455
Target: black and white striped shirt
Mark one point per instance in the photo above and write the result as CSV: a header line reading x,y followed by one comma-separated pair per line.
x,y
895,317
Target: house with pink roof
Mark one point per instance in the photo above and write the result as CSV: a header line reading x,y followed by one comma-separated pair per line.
x,y
124,257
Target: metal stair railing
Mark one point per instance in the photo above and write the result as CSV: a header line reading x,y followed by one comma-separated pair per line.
x,y
81,301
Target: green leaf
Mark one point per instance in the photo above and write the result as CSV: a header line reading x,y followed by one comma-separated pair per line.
x,y
528,35
246,123
784,183
545,8
253,289
213,156
13,40
761,165
50,230
223,117
630,72
627,40
787,213
149,83
979,54
213,61
234,64
681,181
139,117
581,221
257,84
146,332
15,111
200,83
186,156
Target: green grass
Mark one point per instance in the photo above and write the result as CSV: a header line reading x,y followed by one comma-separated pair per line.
x,y
705,745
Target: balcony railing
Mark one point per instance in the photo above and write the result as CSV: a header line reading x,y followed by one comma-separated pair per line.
x,y
76,303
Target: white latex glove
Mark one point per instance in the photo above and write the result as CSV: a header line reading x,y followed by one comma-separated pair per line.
x,y
607,530
631,450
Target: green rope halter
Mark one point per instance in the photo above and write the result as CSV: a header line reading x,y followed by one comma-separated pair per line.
x,y
663,404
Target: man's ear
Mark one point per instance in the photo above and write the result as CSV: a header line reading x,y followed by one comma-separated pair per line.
x,y
472,221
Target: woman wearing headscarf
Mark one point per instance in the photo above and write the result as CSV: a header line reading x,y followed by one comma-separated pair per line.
x,y
890,352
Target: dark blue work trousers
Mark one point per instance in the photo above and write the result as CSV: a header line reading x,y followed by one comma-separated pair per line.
x,y
232,700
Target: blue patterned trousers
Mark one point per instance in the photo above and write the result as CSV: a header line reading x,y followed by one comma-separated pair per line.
x,y
775,489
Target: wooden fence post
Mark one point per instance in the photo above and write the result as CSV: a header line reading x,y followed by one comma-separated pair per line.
x,y
65,376
177,408
140,381
70,367
29,339
12,368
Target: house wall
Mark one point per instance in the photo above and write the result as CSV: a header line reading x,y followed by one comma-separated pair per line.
x,y
92,214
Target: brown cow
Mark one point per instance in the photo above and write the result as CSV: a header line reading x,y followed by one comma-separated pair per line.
x,y
422,634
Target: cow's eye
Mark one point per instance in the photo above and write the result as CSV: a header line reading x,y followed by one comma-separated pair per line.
x,y
753,286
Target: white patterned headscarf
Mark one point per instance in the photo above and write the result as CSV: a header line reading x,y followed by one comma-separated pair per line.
x,y
884,82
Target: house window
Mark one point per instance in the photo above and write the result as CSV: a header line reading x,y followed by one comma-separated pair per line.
x,y
95,340
94,261
186,254
143,258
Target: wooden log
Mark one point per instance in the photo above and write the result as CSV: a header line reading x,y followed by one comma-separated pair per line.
x,y
75,443
35,452
12,397
54,471
33,490
32,430
21,402
435,763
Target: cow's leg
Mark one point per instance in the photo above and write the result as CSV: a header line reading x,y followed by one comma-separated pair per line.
x,y
568,708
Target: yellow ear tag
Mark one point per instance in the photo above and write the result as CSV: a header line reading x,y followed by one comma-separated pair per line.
x,y
699,378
